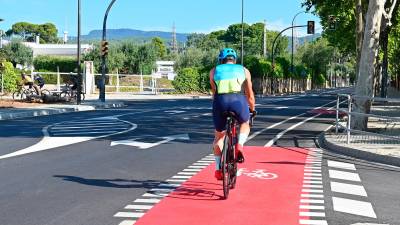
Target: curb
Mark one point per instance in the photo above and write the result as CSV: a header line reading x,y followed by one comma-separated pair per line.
x,y
46,112
395,161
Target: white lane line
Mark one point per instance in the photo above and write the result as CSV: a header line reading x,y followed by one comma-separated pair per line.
x,y
280,134
187,173
140,207
129,214
312,186
312,196
312,178
313,222
312,201
353,207
127,222
181,177
317,207
147,200
284,121
312,214
312,174
198,167
341,165
192,170
201,164
158,195
175,180
348,189
312,191
312,182
336,174
206,161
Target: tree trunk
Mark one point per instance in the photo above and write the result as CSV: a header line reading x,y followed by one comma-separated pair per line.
x,y
359,31
367,63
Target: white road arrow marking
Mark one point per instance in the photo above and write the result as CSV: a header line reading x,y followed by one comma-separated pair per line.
x,y
50,142
145,145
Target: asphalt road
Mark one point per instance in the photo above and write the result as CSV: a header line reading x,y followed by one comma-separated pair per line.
x,y
85,167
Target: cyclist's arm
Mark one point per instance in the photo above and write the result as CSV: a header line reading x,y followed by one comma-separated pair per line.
x,y
248,88
213,88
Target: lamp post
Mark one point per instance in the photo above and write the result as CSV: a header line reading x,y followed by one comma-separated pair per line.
x,y
242,51
102,85
292,57
1,37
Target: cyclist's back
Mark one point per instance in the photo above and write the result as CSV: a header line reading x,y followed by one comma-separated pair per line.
x,y
232,89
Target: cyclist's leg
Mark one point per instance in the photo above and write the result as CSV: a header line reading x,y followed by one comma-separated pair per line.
x,y
241,109
219,134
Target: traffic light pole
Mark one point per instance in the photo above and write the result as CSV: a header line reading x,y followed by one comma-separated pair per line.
x,y
273,52
102,85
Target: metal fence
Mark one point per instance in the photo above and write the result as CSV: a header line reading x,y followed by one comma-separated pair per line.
x,y
389,122
115,83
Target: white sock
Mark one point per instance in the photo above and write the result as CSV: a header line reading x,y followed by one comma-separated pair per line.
x,y
242,138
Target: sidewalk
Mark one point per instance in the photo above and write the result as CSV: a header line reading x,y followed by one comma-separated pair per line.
x,y
16,111
370,146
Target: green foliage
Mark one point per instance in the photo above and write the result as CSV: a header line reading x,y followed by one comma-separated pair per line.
x,y
17,53
50,63
10,77
187,80
159,46
28,31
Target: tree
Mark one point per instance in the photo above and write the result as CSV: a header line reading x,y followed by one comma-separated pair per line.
x,y
9,76
28,31
159,46
17,53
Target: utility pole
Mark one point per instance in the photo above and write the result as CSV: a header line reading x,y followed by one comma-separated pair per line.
x,y
242,50
265,40
174,41
79,88
292,58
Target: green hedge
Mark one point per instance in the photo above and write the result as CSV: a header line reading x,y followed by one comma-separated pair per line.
x,y
187,80
10,77
50,63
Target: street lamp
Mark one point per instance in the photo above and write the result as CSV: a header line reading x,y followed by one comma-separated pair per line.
x,y
1,39
79,88
291,62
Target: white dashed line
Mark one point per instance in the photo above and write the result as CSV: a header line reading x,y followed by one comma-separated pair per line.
x,y
314,222
348,189
140,207
341,165
313,214
336,174
127,222
129,214
353,206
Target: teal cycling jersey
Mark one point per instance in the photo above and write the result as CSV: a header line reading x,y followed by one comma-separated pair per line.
x,y
229,78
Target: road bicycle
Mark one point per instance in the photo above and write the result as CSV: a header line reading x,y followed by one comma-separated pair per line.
x,y
23,93
229,158
70,94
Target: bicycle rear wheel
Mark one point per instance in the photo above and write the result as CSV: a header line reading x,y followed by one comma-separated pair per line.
x,y
225,167
18,95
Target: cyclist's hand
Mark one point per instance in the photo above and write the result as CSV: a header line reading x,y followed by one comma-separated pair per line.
x,y
253,114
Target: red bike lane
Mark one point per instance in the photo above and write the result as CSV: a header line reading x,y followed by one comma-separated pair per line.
x,y
268,192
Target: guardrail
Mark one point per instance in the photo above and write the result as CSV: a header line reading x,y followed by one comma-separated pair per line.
x,y
350,113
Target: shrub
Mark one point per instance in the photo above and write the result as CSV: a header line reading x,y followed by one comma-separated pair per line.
x,y
10,77
187,80
50,63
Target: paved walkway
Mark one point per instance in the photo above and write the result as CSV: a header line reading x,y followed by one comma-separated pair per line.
x,y
371,146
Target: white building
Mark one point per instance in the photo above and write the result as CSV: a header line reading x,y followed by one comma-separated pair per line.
x,y
165,69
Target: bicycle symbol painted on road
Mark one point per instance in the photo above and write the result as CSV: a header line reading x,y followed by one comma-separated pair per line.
x,y
258,173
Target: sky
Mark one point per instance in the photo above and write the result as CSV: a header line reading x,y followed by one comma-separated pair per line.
x,y
200,16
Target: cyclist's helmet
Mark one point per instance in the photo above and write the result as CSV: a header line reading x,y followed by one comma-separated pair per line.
x,y
224,53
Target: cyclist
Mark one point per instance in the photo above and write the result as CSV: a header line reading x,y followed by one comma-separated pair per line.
x,y
27,80
232,91
40,80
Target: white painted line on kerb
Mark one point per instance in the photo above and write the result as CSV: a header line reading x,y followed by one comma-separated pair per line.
x,y
341,165
140,207
353,207
312,186
336,174
312,167
192,170
312,174
312,191
158,195
312,181
284,121
169,185
280,134
187,173
175,180
348,189
198,167
181,177
313,222
129,214
312,178
313,214
317,207
312,170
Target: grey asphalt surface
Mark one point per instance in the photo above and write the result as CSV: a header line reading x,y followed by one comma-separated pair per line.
x,y
88,182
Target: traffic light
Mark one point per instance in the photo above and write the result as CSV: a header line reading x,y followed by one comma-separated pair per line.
x,y
310,27
332,22
104,48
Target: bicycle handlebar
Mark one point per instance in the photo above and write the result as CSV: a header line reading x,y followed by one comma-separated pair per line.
x,y
252,115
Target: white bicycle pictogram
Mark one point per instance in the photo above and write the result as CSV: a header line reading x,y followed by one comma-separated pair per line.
x,y
257,173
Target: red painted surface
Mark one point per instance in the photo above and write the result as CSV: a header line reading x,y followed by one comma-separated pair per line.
x,y
253,202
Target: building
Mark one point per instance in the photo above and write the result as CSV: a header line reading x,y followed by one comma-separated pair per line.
x,y
165,69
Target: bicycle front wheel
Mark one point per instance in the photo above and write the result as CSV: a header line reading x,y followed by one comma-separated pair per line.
x,y
18,95
225,167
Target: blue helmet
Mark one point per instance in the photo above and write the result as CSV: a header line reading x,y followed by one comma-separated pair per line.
x,y
224,53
